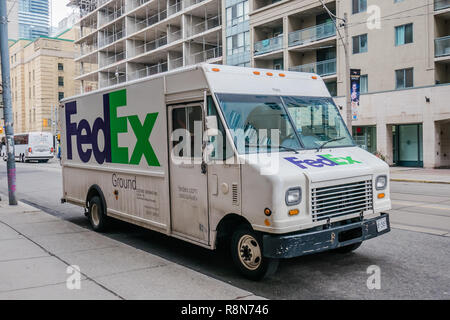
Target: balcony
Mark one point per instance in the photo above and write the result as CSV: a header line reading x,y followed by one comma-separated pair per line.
x,y
111,16
112,59
268,45
151,45
86,49
441,4
442,47
316,33
112,38
113,81
204,26
206,55
322,68
149,71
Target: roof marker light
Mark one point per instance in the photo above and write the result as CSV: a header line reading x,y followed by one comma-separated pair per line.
x,y
269,74
256,73
215,69
314,77
282,75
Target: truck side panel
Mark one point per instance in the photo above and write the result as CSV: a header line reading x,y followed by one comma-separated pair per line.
x,y
118,141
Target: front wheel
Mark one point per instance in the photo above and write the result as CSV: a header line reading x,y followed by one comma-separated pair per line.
x,y
246,251
97,215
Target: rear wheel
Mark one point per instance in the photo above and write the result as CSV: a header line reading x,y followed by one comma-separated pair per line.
x,y
246,251
349,248
97,215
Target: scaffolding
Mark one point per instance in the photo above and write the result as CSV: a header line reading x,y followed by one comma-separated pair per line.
x,y
85,6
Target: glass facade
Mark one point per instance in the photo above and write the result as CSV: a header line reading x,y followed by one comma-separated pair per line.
x,y
237,33
34,18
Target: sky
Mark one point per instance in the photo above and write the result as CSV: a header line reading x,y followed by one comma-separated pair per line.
x,y
59,10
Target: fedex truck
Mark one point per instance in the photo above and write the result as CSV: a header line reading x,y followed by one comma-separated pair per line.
x,y
257,160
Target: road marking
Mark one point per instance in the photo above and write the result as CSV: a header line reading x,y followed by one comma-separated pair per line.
x,y
420,229
418,204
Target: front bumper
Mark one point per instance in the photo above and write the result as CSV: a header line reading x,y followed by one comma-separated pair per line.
x,y
299,244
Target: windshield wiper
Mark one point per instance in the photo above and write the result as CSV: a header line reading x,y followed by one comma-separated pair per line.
x,y
327,142
288,148
270,147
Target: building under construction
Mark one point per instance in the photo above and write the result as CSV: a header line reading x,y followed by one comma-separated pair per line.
x,y
126,40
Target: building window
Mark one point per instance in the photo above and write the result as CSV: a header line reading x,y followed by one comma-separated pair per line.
x,y
237,13
404,34
360,44
60,95
404,78
238,43
60,67
364,83
359,6
61,81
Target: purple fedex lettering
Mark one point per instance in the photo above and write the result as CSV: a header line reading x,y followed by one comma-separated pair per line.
x,y
296,161
318,163
71,128
87,136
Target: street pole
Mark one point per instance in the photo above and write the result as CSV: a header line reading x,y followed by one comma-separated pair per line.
x,y
7,103
348,109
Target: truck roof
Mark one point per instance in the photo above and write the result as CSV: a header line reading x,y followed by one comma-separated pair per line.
x,y
243,80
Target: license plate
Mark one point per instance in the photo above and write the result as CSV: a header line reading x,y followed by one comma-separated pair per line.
x,y
381,224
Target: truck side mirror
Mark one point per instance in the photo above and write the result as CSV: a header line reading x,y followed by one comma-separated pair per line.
x,y
211,126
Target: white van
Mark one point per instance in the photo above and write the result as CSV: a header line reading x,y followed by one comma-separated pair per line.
x,y
33,146
286,180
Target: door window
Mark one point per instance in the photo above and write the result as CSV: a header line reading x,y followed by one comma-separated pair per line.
x,y
187,132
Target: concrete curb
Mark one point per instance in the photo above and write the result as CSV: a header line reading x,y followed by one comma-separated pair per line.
x,y
420,181
37,247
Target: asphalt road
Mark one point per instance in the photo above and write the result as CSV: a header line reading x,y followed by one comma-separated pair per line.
x,y
414,258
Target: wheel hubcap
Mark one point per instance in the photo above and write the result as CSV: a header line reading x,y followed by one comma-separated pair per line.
x,y
94,214
249,252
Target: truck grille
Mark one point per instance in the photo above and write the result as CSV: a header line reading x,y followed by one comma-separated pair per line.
x,y
341,200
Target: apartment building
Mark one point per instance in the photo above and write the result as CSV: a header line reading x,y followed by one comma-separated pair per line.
x,y
404,58
401,47
42,73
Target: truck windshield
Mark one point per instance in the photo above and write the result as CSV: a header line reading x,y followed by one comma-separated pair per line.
x,y
260,123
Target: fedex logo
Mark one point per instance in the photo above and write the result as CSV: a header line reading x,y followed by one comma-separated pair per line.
x,y
322,161
111,125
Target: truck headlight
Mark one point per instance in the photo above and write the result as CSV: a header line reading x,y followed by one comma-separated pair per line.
x,y
381,182
293,196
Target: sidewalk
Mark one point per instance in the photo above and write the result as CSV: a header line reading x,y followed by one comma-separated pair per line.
x,y
420,175
36,249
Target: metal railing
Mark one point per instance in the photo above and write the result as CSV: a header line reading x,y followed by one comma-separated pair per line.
x,y
268,45
112,38
206,55
87,30
112,59
86,68
86,49
112,16
149,70
150,46
176,63
441,4
188,3
113,81
442,47
174,8
137,4
322,68
205,25
316,33
157,17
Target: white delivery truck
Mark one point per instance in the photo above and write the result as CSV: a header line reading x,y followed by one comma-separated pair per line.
x,y
257,159
33,146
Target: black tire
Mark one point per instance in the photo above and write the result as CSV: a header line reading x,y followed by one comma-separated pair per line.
x,y
246,252
97,215
349,248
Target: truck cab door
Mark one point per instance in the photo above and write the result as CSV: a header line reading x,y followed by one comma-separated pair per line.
x,y
188,180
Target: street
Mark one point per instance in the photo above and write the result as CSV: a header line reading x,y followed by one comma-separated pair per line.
x,y
414,258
